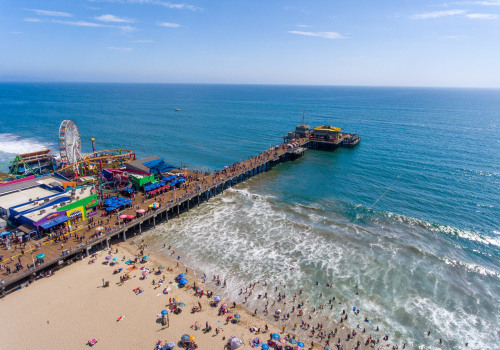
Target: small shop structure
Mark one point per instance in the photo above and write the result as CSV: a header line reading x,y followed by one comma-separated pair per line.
x,y
80,210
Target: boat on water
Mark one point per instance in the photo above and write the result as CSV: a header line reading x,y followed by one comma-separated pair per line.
x,y
177,109
350,140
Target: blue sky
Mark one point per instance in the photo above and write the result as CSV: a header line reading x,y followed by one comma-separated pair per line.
x,y
384,42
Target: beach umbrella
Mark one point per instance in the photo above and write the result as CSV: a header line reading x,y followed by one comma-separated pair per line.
x,y
130,216
108,257
140,211
115,259
292,341
110,208
183,281
145,257
275,336
164,312
300,344
237,316
217,298
40,256
265,347
182,275
224,305
171,345
161,268
328,348
192,338
185,337
100,228
181,304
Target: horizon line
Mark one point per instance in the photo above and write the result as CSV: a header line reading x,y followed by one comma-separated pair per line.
x,y
245,84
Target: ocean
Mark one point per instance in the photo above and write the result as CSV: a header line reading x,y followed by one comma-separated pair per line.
x,y
409,219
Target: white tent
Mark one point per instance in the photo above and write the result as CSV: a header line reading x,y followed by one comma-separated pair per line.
x,y
235,343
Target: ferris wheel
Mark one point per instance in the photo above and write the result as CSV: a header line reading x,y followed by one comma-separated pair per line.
x,y
70,147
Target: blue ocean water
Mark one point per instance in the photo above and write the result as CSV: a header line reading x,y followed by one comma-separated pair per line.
x,y
411,215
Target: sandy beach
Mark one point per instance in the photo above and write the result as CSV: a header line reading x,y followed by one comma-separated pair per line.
x,y
71,307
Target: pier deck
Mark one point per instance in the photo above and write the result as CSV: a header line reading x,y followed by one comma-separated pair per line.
x,y
198,189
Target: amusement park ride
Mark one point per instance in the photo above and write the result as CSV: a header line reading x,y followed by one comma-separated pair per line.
x,y
72,164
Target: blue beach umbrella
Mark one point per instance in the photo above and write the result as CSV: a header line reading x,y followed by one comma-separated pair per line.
x,y
145,257
275,336
183,281
292,341
110,208
265,347
217,298
164,312
328,348
40,256
171,345
182,275
115,259
185,337
237,316
300,344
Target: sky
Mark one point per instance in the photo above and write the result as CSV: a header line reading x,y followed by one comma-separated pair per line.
x,y
299,42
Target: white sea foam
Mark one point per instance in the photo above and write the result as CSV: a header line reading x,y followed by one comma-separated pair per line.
x,y
449,230
245,237
471,267
13,144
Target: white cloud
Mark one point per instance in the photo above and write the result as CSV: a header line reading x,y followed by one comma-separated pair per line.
x,y
113,19
32,20
122,49
326,35
303,26
483,3
481,16
169,25
125,29
143,41
438,14
80,23
50,13
167,4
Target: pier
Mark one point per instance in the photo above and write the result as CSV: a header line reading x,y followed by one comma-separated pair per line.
x,y
197,189
201,189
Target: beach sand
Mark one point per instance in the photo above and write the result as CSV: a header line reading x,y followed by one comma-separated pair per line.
x,y
71,307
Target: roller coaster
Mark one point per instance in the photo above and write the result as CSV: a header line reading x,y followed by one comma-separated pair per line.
x,y
91,163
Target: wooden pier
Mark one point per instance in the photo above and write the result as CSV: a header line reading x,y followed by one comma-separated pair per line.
x,y
169,210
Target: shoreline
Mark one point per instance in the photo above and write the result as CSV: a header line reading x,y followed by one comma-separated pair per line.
x,y
312,315
96,313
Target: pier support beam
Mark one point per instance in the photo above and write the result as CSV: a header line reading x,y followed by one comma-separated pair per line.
x,y
107,243
154,220
124,236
